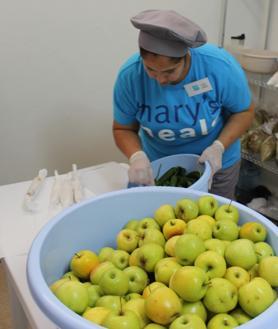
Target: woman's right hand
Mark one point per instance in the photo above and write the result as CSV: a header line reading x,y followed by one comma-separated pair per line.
x,y
140,170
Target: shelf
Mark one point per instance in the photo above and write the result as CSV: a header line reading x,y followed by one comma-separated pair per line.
x,y
260,80
269,165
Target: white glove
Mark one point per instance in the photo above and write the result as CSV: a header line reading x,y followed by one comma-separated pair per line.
x,y
140,170
213,154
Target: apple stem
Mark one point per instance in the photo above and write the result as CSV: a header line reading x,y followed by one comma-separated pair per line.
x,y
78,255
229,205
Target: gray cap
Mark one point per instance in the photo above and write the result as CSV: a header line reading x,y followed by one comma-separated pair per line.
x,y
167,33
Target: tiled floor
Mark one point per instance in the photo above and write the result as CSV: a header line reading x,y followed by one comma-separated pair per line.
x,y
5,319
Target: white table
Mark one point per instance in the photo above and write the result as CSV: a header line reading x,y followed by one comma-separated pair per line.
x,y
19,227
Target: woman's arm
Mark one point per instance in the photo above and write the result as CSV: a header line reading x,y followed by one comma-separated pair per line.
x,y
236,126
126,138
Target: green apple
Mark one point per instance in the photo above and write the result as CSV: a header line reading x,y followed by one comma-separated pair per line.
x,y
262,250
151,288
122,320
137,305
98,272
253,272
173,227
56,284
227,211
241,253
83,262
148,255
94,293
196,308
253,231
70,275
268,270
255,296
146,223
212,263
240,316
188,321
225,229
114,303
114,282
105,253
190,283
215,245
170,245
132,224
221,296
132,295
74,295
210,220
164,213
154,326
238,276
120,259
186,209
188,247
207,205
199,227
151,235
164,269
163,305
127,240
96,314
222,321
137,279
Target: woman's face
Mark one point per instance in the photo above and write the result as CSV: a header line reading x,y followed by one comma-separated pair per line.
x,y
164,69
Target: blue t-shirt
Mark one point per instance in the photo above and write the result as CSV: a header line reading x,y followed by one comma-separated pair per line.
x,y
171,121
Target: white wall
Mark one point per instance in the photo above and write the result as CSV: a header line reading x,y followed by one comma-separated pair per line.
x,y
58,62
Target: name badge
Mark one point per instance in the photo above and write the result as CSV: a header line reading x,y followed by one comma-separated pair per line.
x,y
198,87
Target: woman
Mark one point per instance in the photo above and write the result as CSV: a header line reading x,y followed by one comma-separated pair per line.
x,y
180,95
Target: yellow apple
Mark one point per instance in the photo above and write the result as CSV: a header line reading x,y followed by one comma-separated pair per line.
x,y
170,245
173,227
96,314
83,262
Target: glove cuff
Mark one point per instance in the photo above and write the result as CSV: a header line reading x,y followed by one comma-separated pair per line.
x,y
217,142
137,155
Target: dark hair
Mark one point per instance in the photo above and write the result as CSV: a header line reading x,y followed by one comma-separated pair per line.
x,y
144,53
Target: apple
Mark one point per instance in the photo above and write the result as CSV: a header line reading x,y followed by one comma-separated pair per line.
x,y
173,227
148,255
133,258
94,293
210,220
151,235
96,314
164,213
190,283
253,231
98,272
255,296
212,263
70,275
262,250
154,326
122,320
199,227
253,272
207,205
196,308
170,245
268,270
114,282
105,253
132,295
114,303
151,288
83,262
56,284
238,276
186,209
188,321
74,295
222,321
164,269
127,240
146,223
225,229
163,305
221,296
132,224
241,253
137,305
275,294
240,316
120,259
227,211
215,245
137,279
188,247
